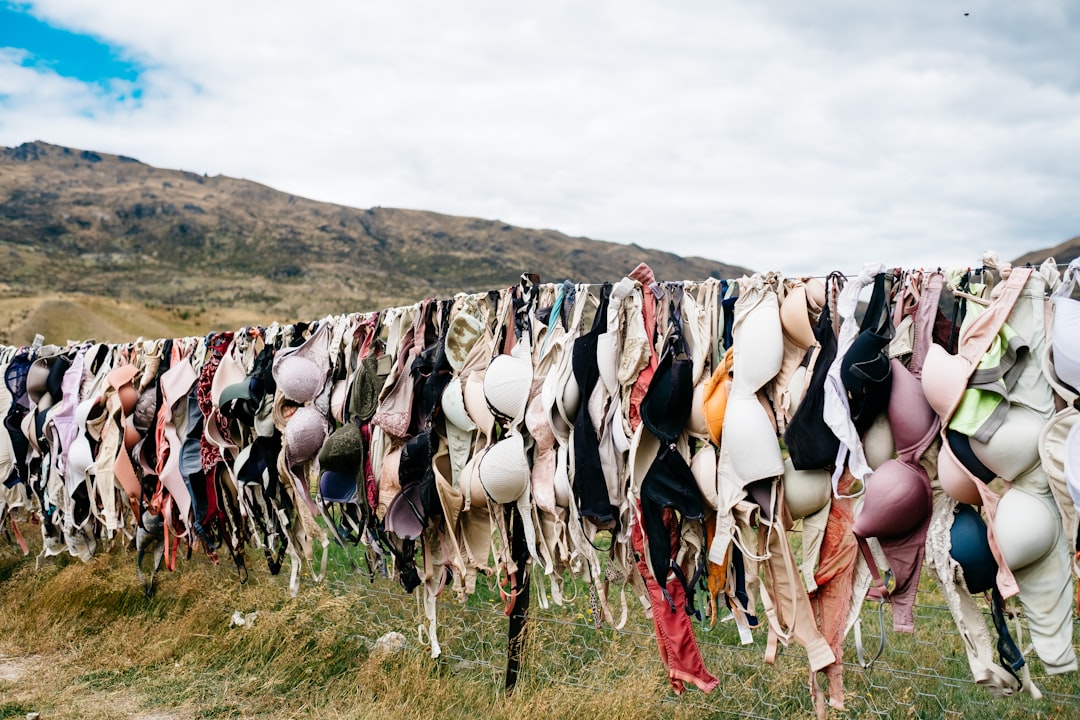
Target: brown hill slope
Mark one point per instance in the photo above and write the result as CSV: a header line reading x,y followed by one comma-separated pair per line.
x,y
1064,253
85,222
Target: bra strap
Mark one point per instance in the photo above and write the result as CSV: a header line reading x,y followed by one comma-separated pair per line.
x,y
925,315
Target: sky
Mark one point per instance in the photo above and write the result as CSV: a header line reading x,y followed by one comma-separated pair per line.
x,y
786,135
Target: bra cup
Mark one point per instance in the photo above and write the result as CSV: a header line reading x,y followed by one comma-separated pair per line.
x,y
337,486
970,548
759,346
83,410
1014,447
910,415
751,439
304,434
229,372
805,491
644,447
815,293
864,363
544,460
298,378
898,498
476,402
878,445
131,436
462,334
552,392
795,318
389,486
955,480
80,458
538,425
1026,528
1066,341
569,400
453,406
697,425
715,399
504,470
703,467
470,482
563,491
796,389
944,378
506,385
339,398
129,397
402,518
37,378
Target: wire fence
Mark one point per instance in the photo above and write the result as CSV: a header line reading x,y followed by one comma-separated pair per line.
x,y
922,675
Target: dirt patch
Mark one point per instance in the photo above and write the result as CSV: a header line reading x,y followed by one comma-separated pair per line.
x,y
13,669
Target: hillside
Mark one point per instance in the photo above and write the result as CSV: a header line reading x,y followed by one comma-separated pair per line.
x,y
1064,253
78,221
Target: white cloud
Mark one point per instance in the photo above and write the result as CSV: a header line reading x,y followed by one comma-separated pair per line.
x,y
797,136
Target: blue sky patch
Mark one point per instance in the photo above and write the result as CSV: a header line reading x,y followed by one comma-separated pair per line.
x,y
69,54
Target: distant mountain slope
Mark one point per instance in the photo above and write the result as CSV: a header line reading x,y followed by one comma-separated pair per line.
x,y
1064,253
81,221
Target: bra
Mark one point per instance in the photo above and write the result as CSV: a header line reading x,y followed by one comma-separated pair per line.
x,y
865,370
970,548
748,430
1026,528
1066,339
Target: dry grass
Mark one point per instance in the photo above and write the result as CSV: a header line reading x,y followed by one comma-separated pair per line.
x,y
82,641
63,317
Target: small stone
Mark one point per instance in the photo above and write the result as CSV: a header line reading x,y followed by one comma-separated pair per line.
x,y
33,716
389,644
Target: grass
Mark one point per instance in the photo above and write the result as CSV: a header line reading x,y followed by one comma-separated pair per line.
x,y
93,646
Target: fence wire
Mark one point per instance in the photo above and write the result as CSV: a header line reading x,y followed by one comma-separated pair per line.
x,y
922,675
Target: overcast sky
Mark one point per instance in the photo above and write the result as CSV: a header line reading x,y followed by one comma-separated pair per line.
x,y
789,135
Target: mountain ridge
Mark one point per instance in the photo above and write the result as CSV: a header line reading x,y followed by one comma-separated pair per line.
x,y
83,221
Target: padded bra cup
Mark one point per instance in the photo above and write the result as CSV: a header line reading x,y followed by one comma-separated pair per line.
x,y
955,480
879,446
697,425
795,318
910,416
1025,527
80,458
1066,342
748,432
750,439
805,491
944,378
1014,447
898,498
759,347
37,379
337,486
476,402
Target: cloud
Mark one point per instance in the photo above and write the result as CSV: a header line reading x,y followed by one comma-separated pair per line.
x,y
798,136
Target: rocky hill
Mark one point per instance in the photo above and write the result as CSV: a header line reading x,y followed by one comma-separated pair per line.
x,y
78,221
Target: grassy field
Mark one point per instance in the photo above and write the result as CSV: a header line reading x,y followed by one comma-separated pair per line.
x,y
82,641
63,317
